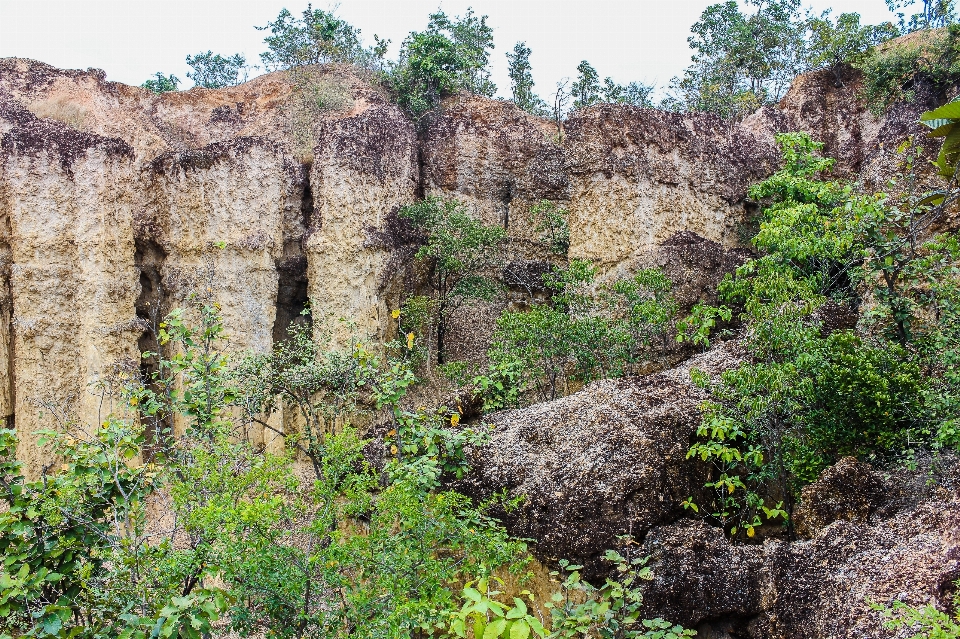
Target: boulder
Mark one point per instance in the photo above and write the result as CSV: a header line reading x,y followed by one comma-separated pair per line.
x,y
818,588
607,461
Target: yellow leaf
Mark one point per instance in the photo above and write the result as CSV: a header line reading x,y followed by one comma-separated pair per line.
x,y
730,489
410,337
393,450
455,419
750,531
392,433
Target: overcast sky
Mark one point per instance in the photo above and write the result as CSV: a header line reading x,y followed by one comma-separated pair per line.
x,y
131,39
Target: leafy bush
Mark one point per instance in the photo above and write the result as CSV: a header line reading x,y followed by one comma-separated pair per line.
x,y
929,622
809,394
834,45
162,83
460,252
581,334
213,71
452,55
892,73
317,37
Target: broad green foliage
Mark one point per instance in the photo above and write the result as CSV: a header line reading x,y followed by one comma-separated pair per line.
x,y
78,557
611,611
161,83
521,81
452,55
810,393
352,551
927,621
213,71
461,254
944,122
577,610
483,614
317,37
585,332
892,73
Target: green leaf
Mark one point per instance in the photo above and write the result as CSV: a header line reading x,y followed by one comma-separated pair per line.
x,y
495,629
520,630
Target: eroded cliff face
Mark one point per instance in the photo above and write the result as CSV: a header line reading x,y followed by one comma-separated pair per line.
x,y
121,206
118,205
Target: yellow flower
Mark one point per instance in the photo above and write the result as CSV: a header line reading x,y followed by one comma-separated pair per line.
x,y
133,401
410,341
750,531
395,314
393,450
455,419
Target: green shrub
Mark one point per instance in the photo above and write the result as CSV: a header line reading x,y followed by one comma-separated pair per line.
x,y
892,73
213,71
809,395
452,55
317,37
927,621
460,254
584,333
161,83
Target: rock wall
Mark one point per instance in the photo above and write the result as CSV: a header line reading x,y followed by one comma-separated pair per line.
x,y
118,204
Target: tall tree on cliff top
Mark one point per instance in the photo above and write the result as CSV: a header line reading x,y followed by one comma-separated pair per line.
x,y
742,60
214,71
586,90
932,14
521,81
451,55
316,37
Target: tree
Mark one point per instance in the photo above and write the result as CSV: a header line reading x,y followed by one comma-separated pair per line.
x,y
460,253
634,93
452,55
809,393
317,37
473,40
586,89
844,42
213,71
161,83
933,14
521,81
740,60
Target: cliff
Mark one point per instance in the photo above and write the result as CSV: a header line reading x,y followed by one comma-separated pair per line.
x,y
117,204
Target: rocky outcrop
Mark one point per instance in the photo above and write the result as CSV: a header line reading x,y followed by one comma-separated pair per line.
x,y
118,204
604,462
865,549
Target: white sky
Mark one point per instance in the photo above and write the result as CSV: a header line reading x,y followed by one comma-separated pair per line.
x,y
131,39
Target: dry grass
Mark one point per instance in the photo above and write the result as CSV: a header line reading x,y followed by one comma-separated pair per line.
x,y
61,110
